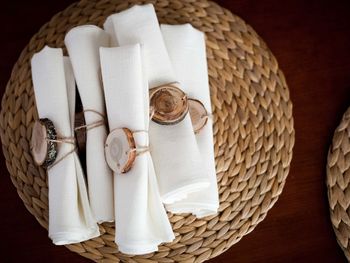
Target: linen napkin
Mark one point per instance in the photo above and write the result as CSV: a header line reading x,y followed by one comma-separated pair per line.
x,y
70,217
141,220
83,44
186,49
174,148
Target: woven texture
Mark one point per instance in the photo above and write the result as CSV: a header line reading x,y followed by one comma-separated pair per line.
x,y
253,128
338,180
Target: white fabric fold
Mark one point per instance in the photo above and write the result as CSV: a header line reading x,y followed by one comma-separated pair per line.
x,y
141,221
174,148
186,49
83,44
70,217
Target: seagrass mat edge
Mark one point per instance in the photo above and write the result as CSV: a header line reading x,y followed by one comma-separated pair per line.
x,y
338,179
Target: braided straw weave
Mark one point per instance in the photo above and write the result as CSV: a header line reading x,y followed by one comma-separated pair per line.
x,y
338,180
253,128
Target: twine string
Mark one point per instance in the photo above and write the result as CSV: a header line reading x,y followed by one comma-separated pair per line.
x,y
69,140
94,124
140,150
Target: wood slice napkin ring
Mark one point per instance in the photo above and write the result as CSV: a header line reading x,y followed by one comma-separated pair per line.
x,y
43,143
168,104
121,150
199,115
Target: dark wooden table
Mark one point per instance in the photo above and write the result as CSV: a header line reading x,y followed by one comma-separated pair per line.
x,y
311,40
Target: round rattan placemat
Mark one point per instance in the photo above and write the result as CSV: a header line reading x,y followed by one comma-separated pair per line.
x,y
253,127
338,180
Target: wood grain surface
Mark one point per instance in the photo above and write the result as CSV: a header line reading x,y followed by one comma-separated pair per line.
x,y
311,40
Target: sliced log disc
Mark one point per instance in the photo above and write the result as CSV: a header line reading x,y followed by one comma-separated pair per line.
x,y
43,150
198,113
169,104
120,150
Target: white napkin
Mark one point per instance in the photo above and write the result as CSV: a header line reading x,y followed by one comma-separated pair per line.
x,y
186,49
70,217
83,44
174,148
141,220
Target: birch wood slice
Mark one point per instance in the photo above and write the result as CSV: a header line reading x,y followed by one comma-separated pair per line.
x,y
252,118
38,143
44,152
120,150
338,183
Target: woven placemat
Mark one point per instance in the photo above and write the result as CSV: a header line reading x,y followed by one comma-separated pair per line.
x,y
253,128
338,183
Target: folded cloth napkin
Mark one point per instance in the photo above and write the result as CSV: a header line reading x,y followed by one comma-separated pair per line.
x,y
83,44
174,148
141,220
186,49
70,217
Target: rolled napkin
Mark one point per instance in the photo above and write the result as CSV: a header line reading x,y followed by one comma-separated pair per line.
x,y
186,49
141,220
70,216
174,148
83,44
